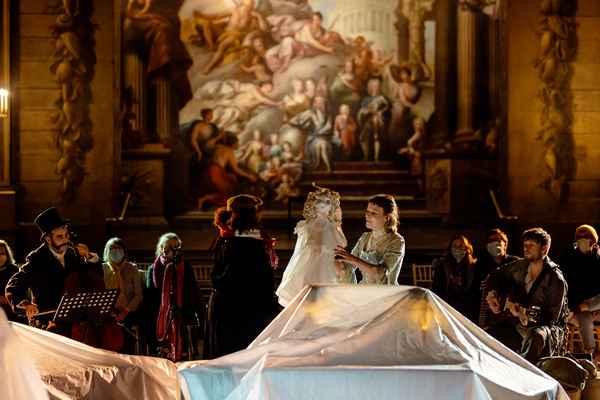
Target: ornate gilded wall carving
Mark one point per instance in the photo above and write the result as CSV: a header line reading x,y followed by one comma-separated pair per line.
x,y
73,71
558,47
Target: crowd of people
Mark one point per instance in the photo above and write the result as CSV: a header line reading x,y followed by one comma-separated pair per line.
x,y
522,302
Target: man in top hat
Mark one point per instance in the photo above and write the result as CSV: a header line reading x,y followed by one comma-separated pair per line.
x,y
581,269
45,271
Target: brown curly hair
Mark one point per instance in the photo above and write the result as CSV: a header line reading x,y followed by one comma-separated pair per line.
x,y
242,220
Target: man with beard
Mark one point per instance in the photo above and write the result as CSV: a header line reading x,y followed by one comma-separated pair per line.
x,y
45,271
542,285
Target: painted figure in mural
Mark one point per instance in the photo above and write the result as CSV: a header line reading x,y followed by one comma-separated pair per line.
x,y
379,253
274,149
241,20
257,68
253,156
220,177
414,150
295,102
168,57
290,162
286,188
492,139
378,63
313,260
316,122
299,39
232,101
204,133
344,128
362,60
406,94
373,118
311,89
346,87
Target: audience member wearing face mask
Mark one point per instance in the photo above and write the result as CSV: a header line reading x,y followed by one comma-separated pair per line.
x,y
454,278
581,270
120,273
496,244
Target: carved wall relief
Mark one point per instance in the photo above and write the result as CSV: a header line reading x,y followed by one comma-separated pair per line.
x,y
558,47
73,69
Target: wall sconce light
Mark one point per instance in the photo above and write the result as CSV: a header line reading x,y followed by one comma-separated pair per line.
x,y
3,103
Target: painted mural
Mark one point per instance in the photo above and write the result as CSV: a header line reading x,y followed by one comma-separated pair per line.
x,y
280,88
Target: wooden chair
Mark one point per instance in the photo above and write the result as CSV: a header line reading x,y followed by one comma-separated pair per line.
x,y
575,337
422,275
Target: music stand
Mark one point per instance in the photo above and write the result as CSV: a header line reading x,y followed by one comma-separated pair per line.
x,y
82,306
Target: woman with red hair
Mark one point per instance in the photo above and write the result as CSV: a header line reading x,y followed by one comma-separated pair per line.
x,y
454,278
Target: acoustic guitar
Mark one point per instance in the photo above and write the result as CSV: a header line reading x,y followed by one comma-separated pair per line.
x,y
507,297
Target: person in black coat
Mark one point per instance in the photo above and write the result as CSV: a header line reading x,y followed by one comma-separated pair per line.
x,y
45,271
243,301
454,278
7,270
581,269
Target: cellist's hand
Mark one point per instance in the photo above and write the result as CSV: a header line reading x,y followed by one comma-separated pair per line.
x,y
83,250
31,309
122,315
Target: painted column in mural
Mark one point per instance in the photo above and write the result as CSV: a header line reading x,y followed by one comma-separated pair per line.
x,y
466,52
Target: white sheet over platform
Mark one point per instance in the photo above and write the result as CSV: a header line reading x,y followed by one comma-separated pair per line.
x,y
368,342
73,370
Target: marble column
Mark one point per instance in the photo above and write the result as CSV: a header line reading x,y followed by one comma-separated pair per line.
x,y
134,76
495,68
163,107
466,52
413,11
445,72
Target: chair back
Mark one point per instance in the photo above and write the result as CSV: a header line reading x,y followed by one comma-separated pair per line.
x,y
422,275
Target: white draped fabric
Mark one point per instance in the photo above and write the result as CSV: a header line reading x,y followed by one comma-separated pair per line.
x,y
73,370
368,342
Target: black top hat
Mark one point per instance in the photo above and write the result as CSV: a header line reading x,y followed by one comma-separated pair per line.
x,y
48,221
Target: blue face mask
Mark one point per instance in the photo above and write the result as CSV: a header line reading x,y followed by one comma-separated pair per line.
x,y
459,254
117,255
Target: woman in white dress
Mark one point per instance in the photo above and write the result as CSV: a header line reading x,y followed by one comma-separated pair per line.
x,y
379,253
313,260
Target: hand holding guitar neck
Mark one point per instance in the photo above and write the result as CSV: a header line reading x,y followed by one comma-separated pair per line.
x,y
527,315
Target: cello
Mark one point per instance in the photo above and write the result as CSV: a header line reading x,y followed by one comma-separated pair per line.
x,y
104,334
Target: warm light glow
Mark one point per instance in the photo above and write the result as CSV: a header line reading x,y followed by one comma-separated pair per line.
x,y
3,103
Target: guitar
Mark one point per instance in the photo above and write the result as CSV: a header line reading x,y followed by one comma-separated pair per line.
x,y
508,296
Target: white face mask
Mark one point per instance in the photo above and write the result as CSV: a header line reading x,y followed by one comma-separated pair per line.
x,y
583,245
495,249
3,259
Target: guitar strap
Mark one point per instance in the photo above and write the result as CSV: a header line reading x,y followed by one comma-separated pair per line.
x,y
537,282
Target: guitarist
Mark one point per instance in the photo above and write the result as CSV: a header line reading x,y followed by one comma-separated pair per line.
x,y
545,287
